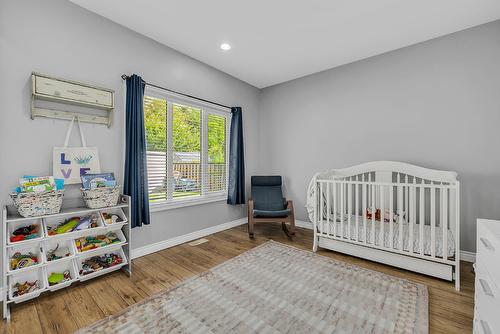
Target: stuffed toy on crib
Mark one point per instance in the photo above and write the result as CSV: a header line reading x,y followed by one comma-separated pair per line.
x,y
387,215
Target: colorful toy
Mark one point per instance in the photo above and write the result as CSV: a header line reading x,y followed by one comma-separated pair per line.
x,y
66,226
111,218
24,288
378,214
57,253
86,222
25,233
97,263
56,278
92,242
73,224
19,261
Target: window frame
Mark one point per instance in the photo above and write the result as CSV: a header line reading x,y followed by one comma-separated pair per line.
x,y
206,109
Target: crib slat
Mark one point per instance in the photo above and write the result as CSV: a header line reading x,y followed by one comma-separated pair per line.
x,y
407,209
363,200
328,212
315,214
411,218
401,213
433,222
342,209
356,196
335,213
370,191
349,209
406,195
391,217
382,216
373,214
421,218
321,208
444,222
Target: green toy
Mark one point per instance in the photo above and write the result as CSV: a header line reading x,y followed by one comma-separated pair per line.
x,y
56,278
69,225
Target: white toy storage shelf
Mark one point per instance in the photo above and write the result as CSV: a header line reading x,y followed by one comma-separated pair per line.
x,y
73,262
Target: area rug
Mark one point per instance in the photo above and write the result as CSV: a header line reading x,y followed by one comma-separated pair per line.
x,y
275,288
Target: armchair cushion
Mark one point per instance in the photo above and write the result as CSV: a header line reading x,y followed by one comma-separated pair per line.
x,y
267,194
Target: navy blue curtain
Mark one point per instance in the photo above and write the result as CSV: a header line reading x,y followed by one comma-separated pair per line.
x,y
136,176
236,190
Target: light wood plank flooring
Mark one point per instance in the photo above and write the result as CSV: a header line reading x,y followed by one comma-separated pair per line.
x,y
84,303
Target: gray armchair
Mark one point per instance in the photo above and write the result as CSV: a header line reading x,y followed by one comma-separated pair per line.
x,y
268,204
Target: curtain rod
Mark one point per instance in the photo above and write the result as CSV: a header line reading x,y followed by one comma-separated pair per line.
x,y
125,77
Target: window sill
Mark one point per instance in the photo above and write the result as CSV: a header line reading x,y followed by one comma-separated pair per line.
x,y
181,203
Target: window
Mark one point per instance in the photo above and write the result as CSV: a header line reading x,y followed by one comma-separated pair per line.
x,y
187,148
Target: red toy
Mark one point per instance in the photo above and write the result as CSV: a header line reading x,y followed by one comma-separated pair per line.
x,y
24,233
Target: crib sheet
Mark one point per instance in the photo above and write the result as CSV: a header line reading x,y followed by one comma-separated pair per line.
x,y
427,244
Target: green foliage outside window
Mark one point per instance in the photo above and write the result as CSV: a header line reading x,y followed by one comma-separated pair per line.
x,y
216,139
155,122
186,130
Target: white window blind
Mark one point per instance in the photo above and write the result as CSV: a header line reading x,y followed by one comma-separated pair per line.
x,y
187,149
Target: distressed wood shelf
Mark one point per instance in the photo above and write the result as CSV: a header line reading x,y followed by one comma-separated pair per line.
x,y
75,93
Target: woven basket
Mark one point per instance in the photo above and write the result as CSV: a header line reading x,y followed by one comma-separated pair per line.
x,y
38,204
101,197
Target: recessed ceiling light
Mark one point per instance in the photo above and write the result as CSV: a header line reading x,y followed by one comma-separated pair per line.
x,y
225,46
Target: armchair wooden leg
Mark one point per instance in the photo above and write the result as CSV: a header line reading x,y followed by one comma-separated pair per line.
x,y
292,226
250,227
285,229
291,230
250,218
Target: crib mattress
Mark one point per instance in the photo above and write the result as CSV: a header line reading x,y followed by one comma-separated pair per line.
x,y
427,244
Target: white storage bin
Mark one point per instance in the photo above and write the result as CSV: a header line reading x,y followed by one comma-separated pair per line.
x,y
60,267
118,233
29,275
30,248
114,211
80,260
12,226
54,221
51,244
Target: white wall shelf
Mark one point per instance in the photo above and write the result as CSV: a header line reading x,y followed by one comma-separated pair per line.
x,y
74,261
76,93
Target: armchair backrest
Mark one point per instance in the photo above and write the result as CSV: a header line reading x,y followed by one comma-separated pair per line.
x,y
267,193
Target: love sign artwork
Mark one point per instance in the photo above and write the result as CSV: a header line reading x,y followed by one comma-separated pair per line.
x,y
69,163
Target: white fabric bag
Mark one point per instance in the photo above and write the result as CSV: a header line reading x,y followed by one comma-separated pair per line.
x,y
69,163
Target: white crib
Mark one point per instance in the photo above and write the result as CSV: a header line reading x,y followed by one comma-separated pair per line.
x,y
418,226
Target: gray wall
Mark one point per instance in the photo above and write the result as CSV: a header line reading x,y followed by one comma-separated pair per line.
x,y
61,39
435,104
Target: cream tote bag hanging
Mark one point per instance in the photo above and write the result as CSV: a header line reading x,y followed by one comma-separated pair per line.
x,y
69,163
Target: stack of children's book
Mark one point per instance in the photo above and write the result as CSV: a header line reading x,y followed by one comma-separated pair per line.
x,y
37,184
93,181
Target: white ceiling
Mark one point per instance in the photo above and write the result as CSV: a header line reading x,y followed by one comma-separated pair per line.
x,y
278,40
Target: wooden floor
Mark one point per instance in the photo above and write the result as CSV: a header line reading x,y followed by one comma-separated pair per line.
x,y
84,303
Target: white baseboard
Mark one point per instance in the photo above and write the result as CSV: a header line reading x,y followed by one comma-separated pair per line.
x,y
464,255
158,246
467,256
303,224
